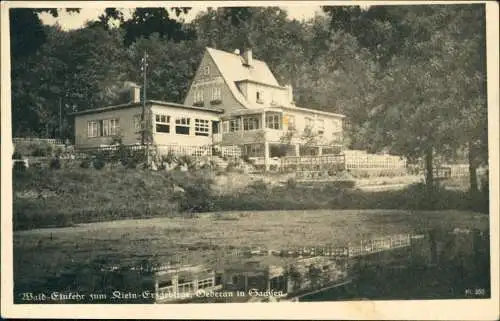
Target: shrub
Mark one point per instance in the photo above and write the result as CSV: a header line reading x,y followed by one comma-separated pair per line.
x,y
291,182
231,166
197,196
186,160
258,185
55,163
99,162
169,158
85,163
41,149
58,150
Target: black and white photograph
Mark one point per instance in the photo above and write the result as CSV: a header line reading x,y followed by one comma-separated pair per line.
x,y
167,154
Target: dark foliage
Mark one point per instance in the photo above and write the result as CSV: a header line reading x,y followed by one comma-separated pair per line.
x,y
55,163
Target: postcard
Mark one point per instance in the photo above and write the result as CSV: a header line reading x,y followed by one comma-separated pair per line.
x,y
330,160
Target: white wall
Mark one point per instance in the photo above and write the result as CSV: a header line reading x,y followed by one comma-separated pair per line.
x,y
269,94
178,139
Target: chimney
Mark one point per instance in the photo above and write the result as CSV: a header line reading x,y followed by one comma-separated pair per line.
x,y
289,88
247,56
135,93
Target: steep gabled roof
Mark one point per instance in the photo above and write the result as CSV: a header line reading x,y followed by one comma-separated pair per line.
x,y
232,69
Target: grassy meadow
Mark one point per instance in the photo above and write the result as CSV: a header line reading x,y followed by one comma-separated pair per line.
x,y
69,196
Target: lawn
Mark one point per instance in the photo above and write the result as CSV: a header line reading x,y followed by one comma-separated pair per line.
x,y
43,255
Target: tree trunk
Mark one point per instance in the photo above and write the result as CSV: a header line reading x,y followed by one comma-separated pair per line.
x,y
472,169
429,173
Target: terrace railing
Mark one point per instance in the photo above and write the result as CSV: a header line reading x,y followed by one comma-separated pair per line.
x,y
52,141
371,161
312,163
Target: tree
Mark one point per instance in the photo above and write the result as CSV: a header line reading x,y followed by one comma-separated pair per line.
x,y
147,21
72,71
26,30
172,66
427,89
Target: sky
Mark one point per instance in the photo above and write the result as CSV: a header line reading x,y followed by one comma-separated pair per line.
x,y
73,21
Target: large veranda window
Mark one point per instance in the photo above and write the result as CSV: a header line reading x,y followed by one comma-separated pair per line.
x,y
201,127
162,123
251,122
182,126
234,125
273,120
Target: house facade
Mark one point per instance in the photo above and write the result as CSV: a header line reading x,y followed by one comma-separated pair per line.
x,y
259,114
233,100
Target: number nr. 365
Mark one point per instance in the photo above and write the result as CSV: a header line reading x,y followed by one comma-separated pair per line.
x,y
478,291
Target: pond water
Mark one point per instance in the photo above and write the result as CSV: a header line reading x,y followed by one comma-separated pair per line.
x,y
451,261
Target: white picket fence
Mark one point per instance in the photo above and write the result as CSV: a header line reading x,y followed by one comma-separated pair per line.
x,y
363,160
53,141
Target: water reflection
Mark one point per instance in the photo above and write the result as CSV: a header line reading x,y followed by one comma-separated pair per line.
x,y
435,264
442,265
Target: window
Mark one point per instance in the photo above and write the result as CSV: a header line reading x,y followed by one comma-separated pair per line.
x,y
234,279
198,96
182,126
216,93
137,122
321,126
259,97
92,128
234,125
251,123
218,279
309,122
163,284
162,123
202,284
215,127
225,126
273,121
201,127
114,126
103,127
337,125
206,70
291,122
186,287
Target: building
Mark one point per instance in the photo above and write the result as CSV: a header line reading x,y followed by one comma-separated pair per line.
x,y
172,124
259,114
234,100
